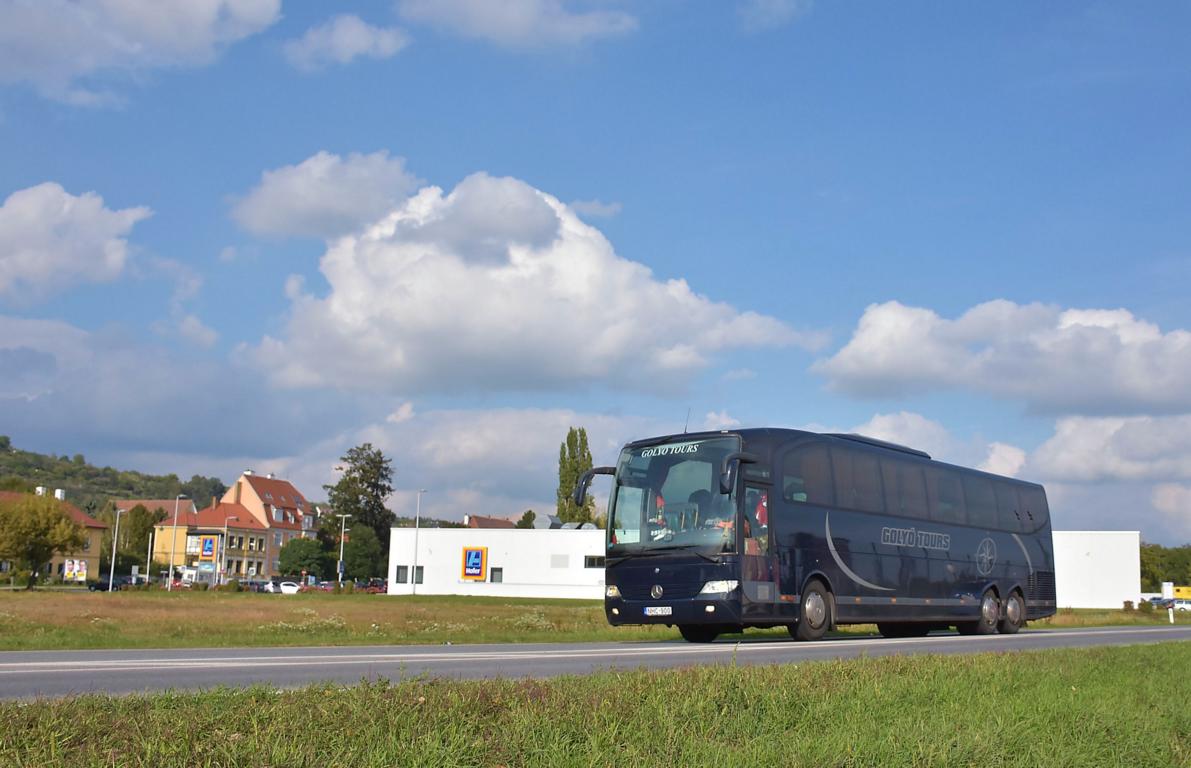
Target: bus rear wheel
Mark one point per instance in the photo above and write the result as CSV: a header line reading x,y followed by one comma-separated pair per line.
x,y
699,633
814,613
990,614
903,628
1015,615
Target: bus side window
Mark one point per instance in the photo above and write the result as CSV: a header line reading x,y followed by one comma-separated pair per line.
x,y
1009,516
806,476
905,489
857,480
945,495
981,501
1033,501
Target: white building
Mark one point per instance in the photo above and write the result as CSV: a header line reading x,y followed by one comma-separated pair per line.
x,y
1097,569
1093,569
500,562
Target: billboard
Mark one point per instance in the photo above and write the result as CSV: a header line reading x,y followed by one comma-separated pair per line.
x,y
207,548
475,563
74,570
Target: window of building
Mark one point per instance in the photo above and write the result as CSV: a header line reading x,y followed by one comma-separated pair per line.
x,y
402,574
418,575
277,513
268,496
593,561
496,575
277,539
87,542
252,544
276,566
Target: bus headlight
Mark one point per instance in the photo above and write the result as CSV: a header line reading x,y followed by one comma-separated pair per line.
x,y
719,587
612,592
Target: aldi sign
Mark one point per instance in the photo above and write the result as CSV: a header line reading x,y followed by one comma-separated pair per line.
x,y
207,550
475,563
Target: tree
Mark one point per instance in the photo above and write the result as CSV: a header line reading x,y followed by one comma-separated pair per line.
x,y
527,519
574,458
5,443
203,489
361,554
303,555
361,492
33,528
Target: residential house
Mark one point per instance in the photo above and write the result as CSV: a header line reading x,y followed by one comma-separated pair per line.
x,y
260,514
479,521
73,567
212,545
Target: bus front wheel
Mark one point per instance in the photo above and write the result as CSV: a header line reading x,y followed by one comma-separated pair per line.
x,y
698,633
814,613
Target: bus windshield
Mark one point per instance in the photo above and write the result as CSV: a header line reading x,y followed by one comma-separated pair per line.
x,y
668,496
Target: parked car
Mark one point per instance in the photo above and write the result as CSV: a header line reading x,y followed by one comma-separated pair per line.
x,y
117,584
1182,604
273,587
288,587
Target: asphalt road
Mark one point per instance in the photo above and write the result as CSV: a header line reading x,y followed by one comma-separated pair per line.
x,y
32,674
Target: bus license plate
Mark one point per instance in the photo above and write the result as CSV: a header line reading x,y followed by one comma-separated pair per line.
x,y
658,610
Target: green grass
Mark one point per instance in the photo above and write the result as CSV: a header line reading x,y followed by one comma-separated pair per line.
x,y
1128,706
67,621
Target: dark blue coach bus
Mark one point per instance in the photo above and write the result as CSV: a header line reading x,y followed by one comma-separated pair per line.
x,y
718,531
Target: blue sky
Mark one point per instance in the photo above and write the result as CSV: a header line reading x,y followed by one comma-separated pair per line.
x,y
244,233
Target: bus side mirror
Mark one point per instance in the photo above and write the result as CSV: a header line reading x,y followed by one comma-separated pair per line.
x,y
729,466
580,494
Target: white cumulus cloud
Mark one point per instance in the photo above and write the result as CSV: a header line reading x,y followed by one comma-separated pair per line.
x,y
341,40
1173,502
757,15
1004,459
493,286
518,23
1085,361
51,239
61,47
325,195
1087,449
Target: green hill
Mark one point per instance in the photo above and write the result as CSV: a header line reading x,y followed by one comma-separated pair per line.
x,y
89,487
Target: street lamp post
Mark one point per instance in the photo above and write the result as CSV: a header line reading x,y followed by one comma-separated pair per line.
x,y
174,544
115,535
413,575
222,559
342,531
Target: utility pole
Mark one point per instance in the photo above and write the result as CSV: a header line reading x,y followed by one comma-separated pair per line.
x,y
115,536
342,531
169,587
413,574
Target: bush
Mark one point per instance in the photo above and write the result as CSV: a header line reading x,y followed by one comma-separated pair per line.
x,y
349,587
1128,605
201,586
233,585
1145,606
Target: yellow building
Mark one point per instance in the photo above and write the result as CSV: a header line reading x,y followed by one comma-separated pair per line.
x,y
71,567
239,536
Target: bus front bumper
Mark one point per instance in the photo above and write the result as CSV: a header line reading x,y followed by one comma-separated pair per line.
x,y
723,609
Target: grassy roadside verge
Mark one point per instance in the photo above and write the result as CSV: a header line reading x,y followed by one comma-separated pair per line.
x,y
1085,707
69,621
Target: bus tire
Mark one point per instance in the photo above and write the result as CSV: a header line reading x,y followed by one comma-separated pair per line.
x,y
990,614
1015,614
699,633
814,612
